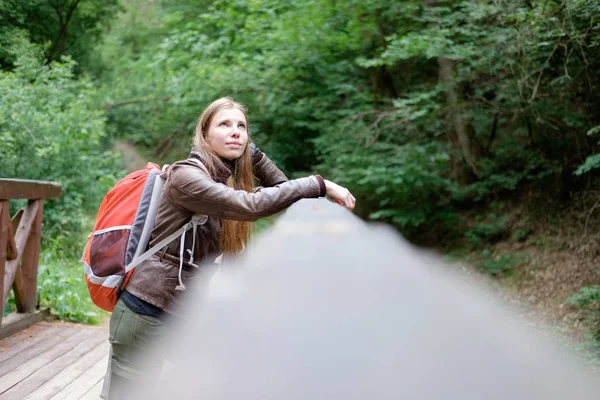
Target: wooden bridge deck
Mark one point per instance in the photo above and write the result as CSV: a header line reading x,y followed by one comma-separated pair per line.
x,y
53,360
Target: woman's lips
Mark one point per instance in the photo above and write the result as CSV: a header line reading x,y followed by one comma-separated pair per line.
x,y
233,144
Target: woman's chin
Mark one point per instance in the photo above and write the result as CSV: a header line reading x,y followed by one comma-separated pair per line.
x,y
230,155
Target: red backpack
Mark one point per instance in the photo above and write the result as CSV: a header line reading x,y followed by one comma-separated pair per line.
x,y
121,234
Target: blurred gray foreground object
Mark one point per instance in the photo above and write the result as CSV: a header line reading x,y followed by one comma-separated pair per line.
x,y
324,306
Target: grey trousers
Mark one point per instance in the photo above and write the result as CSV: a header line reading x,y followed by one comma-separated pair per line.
x,y
133,338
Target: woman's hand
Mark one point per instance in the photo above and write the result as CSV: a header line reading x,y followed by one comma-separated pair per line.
x,y
340,194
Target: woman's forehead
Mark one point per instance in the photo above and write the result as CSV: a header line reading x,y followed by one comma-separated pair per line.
x,y
230,114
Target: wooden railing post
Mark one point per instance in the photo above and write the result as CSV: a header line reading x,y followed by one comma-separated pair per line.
x,y
21,238
4,224
26,283
20,241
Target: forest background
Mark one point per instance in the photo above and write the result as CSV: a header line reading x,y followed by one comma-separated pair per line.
x,y
471,126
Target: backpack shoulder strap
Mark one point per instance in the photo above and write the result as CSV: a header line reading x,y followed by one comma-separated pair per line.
x,y
151,251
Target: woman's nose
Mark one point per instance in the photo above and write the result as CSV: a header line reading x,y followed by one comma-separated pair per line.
x,y
235,131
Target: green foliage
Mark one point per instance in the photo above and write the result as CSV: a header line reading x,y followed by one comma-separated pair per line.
x,y
412,105
62,289
51,130
392,179
593,161
499,266
353,89
521,234
487,231
10,305
587,299
64,28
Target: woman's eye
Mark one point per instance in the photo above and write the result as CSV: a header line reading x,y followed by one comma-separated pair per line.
x,y
223,124
242,126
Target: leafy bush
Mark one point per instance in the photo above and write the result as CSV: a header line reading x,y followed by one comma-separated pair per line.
x,y
592,161
62,289
487,231
499,266
353,89
51,130
63,28
403,184
587,299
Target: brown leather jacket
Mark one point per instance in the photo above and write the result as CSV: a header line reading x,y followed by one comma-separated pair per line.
x,y
189,191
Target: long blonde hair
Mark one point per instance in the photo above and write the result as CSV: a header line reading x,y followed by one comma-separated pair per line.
x,y
234,234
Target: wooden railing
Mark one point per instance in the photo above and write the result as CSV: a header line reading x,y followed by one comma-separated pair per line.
x,y
326,306
20,239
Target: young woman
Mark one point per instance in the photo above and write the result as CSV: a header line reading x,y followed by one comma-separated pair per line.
x,y
215,187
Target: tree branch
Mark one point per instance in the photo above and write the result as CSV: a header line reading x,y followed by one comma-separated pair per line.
x,y
465,143
539,78
56,7
121,103
493,134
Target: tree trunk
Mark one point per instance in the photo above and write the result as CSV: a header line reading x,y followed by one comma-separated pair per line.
x,y
58,46
461,138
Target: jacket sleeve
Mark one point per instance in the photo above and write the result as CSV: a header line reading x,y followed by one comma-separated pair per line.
x,y
190,189
265,170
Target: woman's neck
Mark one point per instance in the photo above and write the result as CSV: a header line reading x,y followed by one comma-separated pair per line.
x,y
230,164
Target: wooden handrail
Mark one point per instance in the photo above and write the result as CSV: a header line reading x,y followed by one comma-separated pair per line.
x,y
20,239
28,189
324,305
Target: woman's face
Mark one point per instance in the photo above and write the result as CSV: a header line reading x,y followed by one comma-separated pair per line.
x,y
227,133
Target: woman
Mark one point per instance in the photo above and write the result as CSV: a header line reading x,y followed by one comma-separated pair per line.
x,y
216,182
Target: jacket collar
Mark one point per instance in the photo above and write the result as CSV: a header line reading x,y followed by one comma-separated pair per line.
x,y
223,170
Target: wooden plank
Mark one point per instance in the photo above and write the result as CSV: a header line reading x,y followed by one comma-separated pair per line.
x,y
4,221
25,284
91,380
89,384
75,380
11,248
16,219
28,189
20,341
49,367
88,341
14,378
33,350
21,237
93,393
17,321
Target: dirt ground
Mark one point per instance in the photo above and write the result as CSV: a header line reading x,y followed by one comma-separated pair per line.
x,y
557,258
